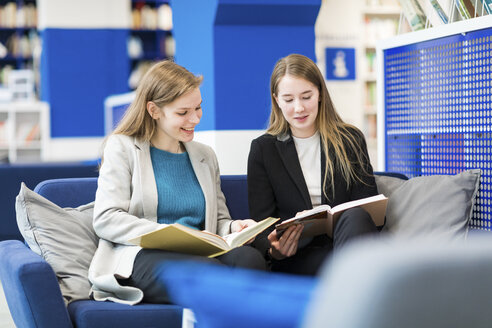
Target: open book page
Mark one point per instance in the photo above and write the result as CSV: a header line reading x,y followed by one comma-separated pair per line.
x,y
374,205
237,239
322,219
178,238
310,219
314,213
181,239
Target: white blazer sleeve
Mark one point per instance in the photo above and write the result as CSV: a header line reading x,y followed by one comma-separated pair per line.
x,y
113,205
223,217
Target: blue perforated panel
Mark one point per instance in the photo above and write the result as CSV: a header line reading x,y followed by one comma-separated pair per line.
x,y
438,110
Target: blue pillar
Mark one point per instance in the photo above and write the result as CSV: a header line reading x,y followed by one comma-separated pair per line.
x,y
84,59
234,45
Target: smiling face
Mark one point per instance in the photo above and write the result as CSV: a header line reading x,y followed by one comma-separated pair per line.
x,y
176,121
298,100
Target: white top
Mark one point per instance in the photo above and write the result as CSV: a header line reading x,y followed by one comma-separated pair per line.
x,y
309,152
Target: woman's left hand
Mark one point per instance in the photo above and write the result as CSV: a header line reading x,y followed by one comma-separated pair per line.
x,y
238,225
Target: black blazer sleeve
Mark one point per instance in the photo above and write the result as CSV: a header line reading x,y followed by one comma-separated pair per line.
x,y
261,197
276,185
260,192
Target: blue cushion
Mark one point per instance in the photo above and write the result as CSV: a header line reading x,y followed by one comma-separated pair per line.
x,y
93,314
68,192
235,189
231,297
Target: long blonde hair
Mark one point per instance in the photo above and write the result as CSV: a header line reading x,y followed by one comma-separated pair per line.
x,y
335,134
163,83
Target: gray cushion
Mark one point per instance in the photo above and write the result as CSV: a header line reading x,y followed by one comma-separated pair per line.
x,y
438,205
64,237
387,185
396,282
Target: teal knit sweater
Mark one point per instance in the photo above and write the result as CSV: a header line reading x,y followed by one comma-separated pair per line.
x,y
180,197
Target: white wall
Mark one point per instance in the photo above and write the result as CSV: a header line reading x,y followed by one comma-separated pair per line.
x,y
339,25
231,147
83,14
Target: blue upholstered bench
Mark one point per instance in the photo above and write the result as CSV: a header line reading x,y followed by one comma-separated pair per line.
x,y
31,286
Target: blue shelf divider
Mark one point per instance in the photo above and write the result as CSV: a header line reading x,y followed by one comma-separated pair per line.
x,y
438,110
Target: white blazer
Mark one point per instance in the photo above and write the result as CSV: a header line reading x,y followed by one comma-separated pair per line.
x,y
126,206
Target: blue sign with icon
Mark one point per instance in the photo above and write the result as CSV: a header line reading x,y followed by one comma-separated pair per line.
x,y
340,63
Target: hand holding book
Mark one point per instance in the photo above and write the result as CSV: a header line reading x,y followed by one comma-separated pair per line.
x,y
240,225
285,244
322,219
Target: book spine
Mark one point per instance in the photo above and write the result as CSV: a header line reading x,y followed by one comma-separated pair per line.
x,y
414,14
462,9
440,12
488,6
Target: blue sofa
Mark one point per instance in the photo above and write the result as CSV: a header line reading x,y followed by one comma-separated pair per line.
x,y
32,290
35,299
11,176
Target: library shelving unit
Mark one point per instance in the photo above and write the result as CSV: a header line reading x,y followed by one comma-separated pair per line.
x,y
24,131
151,36
434,105
380,21
18,36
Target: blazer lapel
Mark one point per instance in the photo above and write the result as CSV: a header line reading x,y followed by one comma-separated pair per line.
x,y
147,179
287,151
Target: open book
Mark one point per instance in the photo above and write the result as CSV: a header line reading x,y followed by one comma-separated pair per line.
x,y
179,238
322,219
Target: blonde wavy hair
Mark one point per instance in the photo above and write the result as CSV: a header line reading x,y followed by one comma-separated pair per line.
x,y
163,83
335,133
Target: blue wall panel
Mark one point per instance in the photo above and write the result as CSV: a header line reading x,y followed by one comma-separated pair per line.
x,y
438,111
194,49
243,77
79,69
234,45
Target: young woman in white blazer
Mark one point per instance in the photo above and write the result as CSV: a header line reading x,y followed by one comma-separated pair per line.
x,y
154,174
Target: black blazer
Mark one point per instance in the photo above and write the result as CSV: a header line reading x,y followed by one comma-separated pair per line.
x,y
276,185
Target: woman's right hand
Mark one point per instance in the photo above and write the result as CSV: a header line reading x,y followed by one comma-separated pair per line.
x,y
286,245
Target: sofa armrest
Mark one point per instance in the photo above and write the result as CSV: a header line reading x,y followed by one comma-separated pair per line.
x,y
31,288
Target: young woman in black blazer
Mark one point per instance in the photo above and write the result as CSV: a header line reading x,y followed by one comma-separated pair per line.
x,y
307,157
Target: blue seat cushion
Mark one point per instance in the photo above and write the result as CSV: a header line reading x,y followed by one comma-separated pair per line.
x,y
223,297
94,314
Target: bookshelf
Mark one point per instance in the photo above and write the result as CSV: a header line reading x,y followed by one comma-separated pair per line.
x,y
380,19
19,37
441,123
151,36
24,131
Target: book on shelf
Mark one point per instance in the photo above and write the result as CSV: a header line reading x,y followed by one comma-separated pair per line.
x,y
3,133
486,6
413,13
179,238
434,12
322,219
465,8
28,132
34,134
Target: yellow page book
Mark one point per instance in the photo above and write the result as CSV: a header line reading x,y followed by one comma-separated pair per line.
x,y
322,219
181,239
